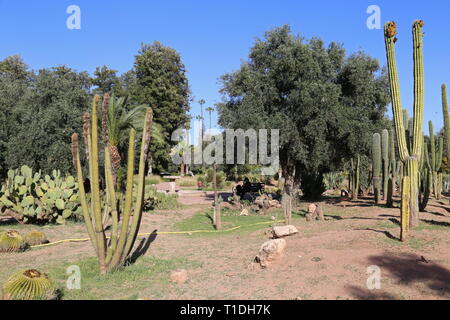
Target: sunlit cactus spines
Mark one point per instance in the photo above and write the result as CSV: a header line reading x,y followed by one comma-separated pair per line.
x,y
114,253
12,241
411,156
30,285
35,238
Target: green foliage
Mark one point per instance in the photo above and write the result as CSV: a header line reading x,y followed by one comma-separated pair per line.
x,y
154,200
334,180
29,285
38,111
160,81
326,104
40,199
207,179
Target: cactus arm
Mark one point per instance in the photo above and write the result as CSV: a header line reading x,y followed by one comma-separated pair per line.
x,y
118,254
390,32
385,157
146,139
446,118
439,153
83,200
100,233
376,165
432,146
419,100
112,203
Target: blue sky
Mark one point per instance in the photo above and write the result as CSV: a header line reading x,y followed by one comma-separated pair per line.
x,y
213,37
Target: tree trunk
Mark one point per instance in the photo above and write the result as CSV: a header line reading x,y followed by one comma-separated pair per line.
x,y
287,198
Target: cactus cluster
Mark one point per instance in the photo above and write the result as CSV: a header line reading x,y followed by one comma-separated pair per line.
x,y
409,155
12,241
29,285
114,253
39,199
384,166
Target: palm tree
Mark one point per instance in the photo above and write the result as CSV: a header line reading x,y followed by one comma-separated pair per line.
x,y
117,120
210,109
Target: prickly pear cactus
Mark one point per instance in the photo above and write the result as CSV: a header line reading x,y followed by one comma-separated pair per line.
x,y
11,241
29,285
40,200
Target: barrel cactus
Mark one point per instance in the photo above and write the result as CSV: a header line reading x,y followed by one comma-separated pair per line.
x,y
11,241
29,285
35,238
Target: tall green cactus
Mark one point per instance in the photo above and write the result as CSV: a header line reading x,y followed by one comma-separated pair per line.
x,y
393,163
376,166
436,160
385,159
354,177
113,254
409,157
446,122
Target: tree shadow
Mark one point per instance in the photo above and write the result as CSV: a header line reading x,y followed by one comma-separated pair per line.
x,y
366,294
409,268
436,223
8,221
386,233
143,247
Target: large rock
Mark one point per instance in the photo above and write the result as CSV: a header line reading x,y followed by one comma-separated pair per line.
x,y
283,231
270,252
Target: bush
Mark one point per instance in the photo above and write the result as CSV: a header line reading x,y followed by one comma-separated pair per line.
x,y
207,179
154,200
187,182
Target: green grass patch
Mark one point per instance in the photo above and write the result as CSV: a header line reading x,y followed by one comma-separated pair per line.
x,y
203,221
126,283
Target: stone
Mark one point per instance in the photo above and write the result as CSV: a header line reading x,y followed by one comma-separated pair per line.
x,y
270,252
311,208
284,231
244,212
179,276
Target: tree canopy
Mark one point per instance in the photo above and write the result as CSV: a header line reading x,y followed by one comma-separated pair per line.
x,y
325,104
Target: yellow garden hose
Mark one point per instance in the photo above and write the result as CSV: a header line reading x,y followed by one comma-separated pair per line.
x,y
167,232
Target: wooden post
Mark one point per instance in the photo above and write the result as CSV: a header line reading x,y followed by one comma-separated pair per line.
x,y
217,220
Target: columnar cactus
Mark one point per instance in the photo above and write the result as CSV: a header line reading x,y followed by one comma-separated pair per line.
x,y
376,166
393,161
354,177
113,254
385,158
436,160
409,157
405,207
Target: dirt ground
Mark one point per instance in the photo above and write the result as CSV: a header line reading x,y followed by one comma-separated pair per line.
x,y
326,260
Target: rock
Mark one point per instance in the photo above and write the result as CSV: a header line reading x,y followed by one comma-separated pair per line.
x,y
312,207
244,212
284,231
270,252
274,203
179,276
